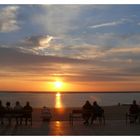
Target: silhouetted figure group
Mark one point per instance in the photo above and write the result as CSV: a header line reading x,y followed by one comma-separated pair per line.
x,y
92,112
134,112
18,112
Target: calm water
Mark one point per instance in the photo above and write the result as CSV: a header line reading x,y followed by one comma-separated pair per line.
x,y
69,100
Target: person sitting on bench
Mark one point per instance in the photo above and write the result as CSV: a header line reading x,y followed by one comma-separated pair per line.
x,y
86,112
46,114
8,112
18,112
97,112
2,112
134,111
27,112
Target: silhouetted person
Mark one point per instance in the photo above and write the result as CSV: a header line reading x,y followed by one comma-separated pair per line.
x,y
8,112
134,110
86,112
46,114
2,112
18,111
97,112
27,112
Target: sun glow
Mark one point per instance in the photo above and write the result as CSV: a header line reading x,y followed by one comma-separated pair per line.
x,y
58,84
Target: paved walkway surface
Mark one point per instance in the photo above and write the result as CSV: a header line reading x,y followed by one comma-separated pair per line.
x,y
63,128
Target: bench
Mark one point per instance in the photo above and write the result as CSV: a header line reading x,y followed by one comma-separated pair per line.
x,y
18,116
131,118
75,114
101,119
27,115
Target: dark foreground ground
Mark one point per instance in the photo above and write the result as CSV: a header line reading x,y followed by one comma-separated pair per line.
x,y
115,125
63,128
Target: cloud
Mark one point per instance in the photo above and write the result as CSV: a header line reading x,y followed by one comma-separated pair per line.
x,y
65,51
34,67
14,57
58,20
138,23
38,42
44,42
108,24
18,64
135,49
126,53
34,44
46,45
8,21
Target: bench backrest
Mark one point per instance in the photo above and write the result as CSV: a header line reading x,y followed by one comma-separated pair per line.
x,y
76,111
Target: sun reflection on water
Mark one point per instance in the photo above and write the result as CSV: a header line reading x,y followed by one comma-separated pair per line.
x,y
58,102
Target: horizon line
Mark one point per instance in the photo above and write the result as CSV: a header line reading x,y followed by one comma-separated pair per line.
x,y
67,92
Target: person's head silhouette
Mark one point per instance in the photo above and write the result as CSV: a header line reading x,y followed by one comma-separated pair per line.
x,y
17,103
8,104
94,103
28,103
134,102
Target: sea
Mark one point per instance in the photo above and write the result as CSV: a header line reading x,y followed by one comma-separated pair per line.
x,y
66,100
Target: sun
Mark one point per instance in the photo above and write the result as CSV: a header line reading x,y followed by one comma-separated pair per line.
x,y
58,84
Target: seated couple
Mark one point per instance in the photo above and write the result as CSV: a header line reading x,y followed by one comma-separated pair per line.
x,y
92,112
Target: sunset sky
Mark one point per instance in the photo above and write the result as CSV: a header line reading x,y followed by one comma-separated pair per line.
x,y
87,47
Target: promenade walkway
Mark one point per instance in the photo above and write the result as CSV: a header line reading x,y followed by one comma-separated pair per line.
x,y
63,128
